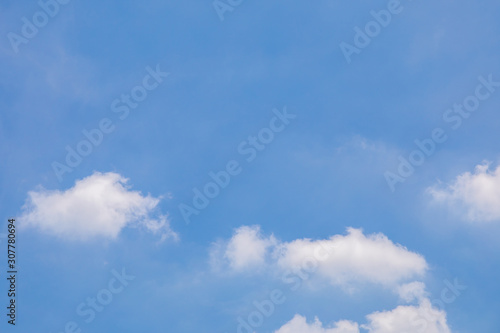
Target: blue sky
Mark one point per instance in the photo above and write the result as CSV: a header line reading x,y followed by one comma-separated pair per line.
x,y
320,178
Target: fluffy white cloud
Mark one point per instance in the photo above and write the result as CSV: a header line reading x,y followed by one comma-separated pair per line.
x,y
343,260
422,318
475,196
247,248
299,325
99,205
353,258
409,319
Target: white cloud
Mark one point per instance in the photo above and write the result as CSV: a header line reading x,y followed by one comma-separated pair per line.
x,y
412,291
409,319
246,249
474,196
342,260
299,325
99,205
422,318
354,258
